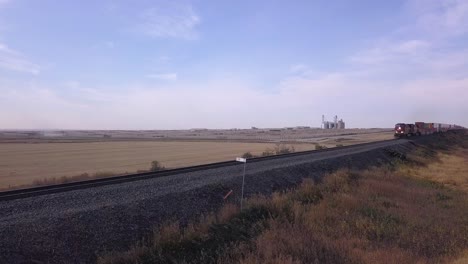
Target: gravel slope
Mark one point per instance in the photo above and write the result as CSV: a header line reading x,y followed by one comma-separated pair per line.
x,y
73,227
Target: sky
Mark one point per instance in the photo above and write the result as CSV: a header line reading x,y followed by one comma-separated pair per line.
x,y
121,64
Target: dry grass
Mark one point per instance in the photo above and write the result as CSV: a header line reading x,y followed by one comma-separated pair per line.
x,y
21,164
403,214
451,170
463,259
63,179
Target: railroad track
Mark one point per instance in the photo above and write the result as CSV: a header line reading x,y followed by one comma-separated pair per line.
x,y
64,187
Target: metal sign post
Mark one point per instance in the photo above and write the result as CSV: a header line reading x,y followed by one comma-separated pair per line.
x,y
243,160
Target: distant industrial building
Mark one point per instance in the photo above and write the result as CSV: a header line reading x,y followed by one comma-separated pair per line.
x,y
335,124
52,133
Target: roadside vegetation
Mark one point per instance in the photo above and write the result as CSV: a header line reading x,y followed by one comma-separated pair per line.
x,y
248,155
155,166
278,149
319,147
415,210
63,179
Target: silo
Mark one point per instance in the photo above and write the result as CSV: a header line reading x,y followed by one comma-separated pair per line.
x,y
341,124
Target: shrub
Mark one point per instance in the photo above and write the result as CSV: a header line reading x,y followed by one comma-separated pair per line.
x,y
156,166
278,149
100,174
268,152
283,149
247,155
318,147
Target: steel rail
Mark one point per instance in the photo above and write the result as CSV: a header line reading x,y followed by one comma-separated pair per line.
x,y
64,187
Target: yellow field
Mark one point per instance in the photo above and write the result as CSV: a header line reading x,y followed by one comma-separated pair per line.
x,y
22,163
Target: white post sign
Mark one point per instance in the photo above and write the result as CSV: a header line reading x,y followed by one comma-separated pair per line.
x,y
243,160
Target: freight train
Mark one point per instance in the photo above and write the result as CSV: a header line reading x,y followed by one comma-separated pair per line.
x,y
421,128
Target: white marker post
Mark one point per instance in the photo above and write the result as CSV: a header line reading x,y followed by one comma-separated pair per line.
x,y
243,177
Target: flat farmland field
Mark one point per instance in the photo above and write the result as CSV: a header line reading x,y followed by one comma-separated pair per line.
x,y
22,163
353,139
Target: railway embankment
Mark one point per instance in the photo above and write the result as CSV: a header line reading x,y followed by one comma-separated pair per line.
x,y
412,210
79,225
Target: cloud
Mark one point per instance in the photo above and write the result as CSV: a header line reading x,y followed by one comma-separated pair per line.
x,y
427,47
437,92
403,76
358,97
411,46
163,76
439,18
72,84
392,50
15,61
169,20
417,70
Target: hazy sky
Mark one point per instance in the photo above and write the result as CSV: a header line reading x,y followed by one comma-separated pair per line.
x,y
116,64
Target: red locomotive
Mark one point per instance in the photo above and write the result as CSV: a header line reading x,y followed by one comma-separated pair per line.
x,y
404,130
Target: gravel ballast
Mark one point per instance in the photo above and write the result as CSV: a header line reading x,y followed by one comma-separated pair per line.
x,y
76,226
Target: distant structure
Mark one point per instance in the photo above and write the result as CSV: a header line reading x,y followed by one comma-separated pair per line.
x,y
52,133
341,124
336,124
